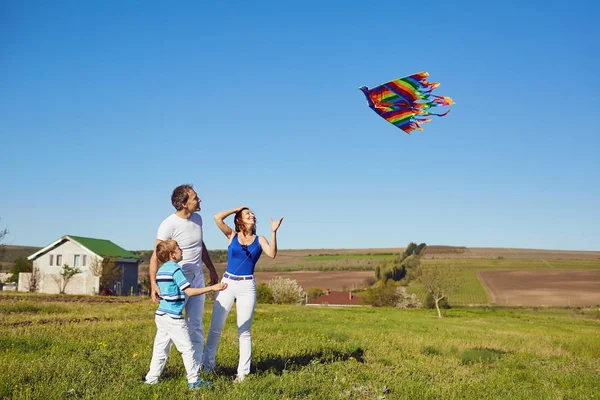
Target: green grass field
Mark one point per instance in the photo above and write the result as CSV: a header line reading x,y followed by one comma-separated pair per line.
x,y
58,350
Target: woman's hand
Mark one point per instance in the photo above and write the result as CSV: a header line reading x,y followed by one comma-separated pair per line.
x,y
275,224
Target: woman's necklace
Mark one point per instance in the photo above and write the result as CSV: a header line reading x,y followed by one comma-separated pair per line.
x,y
246,241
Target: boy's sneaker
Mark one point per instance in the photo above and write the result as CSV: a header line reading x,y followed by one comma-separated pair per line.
x,y
200,383
240,378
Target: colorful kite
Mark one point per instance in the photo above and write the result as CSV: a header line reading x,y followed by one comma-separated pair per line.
x,y
406,102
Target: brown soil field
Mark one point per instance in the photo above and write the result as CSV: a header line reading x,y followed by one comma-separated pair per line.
x,y
333,280
543,287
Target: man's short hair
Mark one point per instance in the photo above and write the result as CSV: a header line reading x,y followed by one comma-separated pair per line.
x,y
181,194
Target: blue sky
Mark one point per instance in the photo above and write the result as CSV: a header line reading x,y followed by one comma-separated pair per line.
x,y
105,107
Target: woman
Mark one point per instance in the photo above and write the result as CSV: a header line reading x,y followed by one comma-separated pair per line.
x,y
244,251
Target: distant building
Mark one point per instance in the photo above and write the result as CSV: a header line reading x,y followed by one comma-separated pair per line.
x,y
83,253
336,299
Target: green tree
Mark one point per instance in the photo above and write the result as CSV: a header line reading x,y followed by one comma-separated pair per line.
x,y
420,250
111,272
21,264
64,276
402,267
410,249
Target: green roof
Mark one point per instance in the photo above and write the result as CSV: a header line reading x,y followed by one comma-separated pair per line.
x,y
104,248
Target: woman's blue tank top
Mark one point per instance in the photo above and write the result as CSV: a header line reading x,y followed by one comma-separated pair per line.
x,y
241,260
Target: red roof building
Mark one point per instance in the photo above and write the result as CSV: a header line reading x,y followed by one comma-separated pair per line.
x,y
336,299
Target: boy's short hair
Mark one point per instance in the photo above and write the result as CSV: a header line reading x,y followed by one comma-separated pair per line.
x,y
164,250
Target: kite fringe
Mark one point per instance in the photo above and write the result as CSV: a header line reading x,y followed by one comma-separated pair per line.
x,y
405,102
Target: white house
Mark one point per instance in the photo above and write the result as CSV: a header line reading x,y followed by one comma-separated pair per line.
x,y
83,253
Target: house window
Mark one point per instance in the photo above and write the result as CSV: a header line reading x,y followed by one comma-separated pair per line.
x,y
76,260
83,260
58,260
51,258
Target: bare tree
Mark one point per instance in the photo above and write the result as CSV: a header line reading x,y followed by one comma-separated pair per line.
x,y
107,269
33,281
3,233
439,281
110,272
96,266
64,276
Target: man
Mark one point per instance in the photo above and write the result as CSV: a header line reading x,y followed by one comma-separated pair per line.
x,y
185,227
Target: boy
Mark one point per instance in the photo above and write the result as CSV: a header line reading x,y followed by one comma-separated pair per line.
x,y
170,324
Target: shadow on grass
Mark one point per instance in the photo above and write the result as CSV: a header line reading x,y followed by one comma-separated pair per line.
x,y
277,364
478,355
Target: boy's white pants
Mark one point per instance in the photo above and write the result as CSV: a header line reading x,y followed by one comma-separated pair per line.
x,y
244,294
169,331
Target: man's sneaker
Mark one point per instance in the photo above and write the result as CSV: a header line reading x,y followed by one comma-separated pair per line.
x,y
240,378
200,383
207,368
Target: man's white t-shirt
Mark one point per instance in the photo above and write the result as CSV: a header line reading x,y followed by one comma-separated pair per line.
x,y
188,234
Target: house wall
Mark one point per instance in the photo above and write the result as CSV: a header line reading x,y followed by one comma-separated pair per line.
x,y
79,284
128,283
83,283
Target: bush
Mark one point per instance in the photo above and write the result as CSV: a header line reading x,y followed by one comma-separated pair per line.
x,y
406,300
286,291
313,293
382,295
264,294
430,303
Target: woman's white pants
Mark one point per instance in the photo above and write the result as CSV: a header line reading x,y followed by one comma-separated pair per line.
x,y
169,331
244,294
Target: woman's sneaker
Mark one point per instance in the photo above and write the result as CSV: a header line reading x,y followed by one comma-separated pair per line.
x,y
200,383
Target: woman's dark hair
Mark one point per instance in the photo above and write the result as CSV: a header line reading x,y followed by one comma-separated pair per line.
x,y
180,195
239,224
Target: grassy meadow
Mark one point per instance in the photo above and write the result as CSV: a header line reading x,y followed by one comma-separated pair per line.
x,y
57,349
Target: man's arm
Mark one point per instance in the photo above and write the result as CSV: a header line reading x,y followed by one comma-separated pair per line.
x,y
154,291
214,277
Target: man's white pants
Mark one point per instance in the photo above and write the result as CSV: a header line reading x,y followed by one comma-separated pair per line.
x,y
169,331
194,311
244,294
